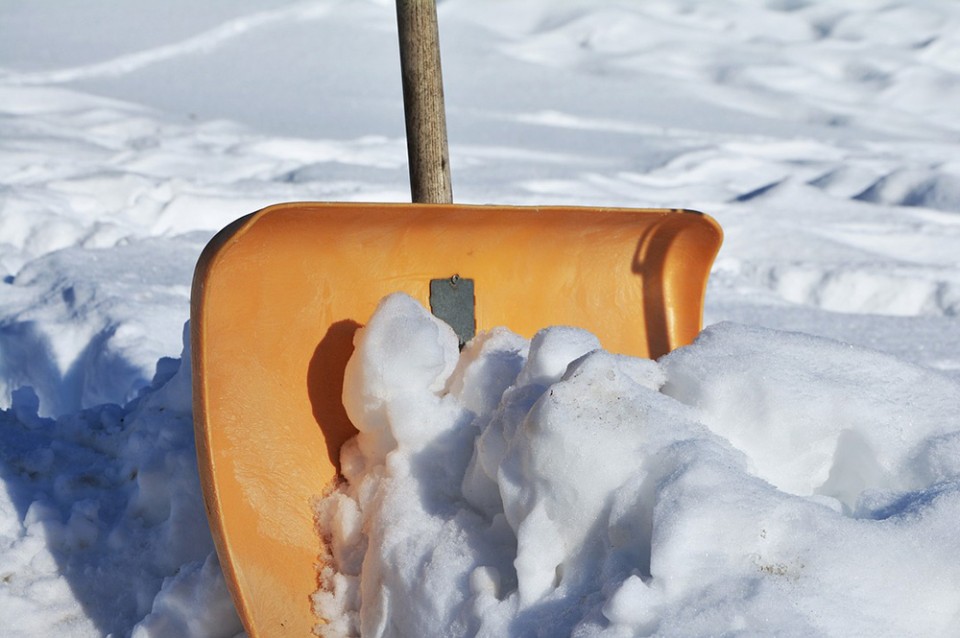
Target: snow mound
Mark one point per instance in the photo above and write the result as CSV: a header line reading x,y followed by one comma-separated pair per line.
x,y
916,188
104,530
552,488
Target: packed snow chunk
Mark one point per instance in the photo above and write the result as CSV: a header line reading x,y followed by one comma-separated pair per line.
x,y
754,481
484,521
540,362
633,604
581,441
401,363
488,365
551,350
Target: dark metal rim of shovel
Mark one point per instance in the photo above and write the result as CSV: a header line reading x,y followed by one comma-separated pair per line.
x,y
278,296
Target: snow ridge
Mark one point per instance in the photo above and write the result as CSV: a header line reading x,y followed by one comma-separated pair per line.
x,y
199,44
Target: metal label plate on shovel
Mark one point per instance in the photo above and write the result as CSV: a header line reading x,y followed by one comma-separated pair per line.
x,y
278,296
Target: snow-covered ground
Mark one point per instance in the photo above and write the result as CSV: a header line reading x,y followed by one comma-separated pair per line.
x,y
822,135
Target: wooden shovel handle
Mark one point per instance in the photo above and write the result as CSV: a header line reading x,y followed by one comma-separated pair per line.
x,y
423,102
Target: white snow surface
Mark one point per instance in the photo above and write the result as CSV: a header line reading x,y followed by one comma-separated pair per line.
x,y
757,481
793,472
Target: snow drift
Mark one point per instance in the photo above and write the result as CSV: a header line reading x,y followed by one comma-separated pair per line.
x,y
753,481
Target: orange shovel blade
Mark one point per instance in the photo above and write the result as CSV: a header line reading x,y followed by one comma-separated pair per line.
x,y
278,295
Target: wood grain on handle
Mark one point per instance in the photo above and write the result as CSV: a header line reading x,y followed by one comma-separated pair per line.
x,y
423,102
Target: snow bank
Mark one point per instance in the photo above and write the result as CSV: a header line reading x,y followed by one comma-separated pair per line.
x,y
756,480
103,525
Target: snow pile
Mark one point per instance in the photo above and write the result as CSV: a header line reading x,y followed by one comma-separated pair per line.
x,y
754,481
110,498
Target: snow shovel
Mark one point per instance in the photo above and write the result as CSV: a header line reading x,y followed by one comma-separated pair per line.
x,y
279,294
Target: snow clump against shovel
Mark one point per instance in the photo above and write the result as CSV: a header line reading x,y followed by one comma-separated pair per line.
x,y
552,488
